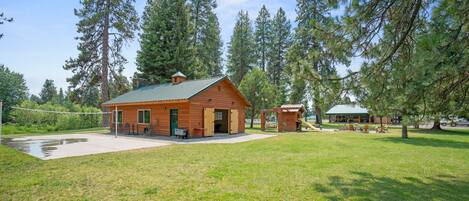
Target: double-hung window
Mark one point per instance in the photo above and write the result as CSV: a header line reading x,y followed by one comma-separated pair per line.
x,y
144,116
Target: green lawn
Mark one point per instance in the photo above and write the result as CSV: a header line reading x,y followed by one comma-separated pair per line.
x,y
306,166
13,130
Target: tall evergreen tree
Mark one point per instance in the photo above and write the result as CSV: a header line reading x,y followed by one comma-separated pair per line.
x,y
384,33
104,26
206,38
280,42
320,46
165,44
48,91
61,97
119,85
241,54
263,37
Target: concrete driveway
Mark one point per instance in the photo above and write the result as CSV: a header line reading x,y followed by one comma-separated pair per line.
x,y
61,146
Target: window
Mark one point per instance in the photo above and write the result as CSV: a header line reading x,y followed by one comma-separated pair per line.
x,y
119,116
218,116
144,116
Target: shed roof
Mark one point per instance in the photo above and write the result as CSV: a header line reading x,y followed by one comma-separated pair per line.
x,y
178,74
347,109
167,92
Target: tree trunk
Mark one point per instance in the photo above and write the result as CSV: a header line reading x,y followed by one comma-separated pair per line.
x,y
436,124
317,110
252,118
105,60
404,132
381,122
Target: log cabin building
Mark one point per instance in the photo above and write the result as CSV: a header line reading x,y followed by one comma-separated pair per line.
x,y
203,107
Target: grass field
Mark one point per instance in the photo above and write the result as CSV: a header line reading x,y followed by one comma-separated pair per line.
x,y
12,129
306,166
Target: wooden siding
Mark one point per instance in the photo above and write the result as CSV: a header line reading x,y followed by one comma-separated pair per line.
x,y
289,120
159,118
220,96
190,112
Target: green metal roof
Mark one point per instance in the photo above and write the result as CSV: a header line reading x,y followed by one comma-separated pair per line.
x,y
347,109
164,92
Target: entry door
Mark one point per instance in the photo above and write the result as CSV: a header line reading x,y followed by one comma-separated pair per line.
x,y
173,120
209,121
234,122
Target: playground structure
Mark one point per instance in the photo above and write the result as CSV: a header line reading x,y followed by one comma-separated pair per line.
x,y
289,118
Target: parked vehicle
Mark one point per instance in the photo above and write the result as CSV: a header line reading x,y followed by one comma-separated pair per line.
x,y
454,122
460,122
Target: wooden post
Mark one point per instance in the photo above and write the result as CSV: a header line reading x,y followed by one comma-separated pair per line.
x,y
279,121
115,117
262,120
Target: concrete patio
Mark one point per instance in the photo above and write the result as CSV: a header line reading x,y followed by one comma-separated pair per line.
x,y
61,146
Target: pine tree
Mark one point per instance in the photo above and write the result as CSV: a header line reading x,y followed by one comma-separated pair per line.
x,y
61,97
104,26
256,88
263,37
165,44
119,85
48,91
389,67
206,38
241,54
318,47
280,42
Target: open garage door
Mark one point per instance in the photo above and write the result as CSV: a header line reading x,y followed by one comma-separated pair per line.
x,y
209,119
234,121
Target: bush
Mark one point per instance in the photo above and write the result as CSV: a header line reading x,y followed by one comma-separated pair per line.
x,y
33,121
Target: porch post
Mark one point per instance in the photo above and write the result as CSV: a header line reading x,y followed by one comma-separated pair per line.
x,y
262,120
115,117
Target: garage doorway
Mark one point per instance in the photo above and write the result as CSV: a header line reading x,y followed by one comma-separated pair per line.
x,y
221,121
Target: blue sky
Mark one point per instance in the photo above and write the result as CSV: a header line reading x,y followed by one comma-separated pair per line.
x,y
41,37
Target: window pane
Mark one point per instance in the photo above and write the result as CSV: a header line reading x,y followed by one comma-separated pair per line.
x,y
147,116
140,116
119,116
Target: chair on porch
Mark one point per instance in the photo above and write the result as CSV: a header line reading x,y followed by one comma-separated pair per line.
x,y
147,131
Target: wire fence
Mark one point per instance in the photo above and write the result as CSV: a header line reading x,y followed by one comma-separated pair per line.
x,y
41,120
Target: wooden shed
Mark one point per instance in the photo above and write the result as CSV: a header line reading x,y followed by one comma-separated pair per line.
x,y
203,107
288,117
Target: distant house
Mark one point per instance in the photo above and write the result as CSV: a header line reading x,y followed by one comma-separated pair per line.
x,y
353,113
203,107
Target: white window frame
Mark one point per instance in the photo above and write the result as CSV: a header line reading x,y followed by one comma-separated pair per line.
x,y
149,120
117,116
216,116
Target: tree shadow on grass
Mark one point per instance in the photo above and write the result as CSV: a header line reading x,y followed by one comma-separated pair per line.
x,y
462,132
365,186
432,142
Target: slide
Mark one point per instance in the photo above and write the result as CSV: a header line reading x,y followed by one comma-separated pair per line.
x,y
309,125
